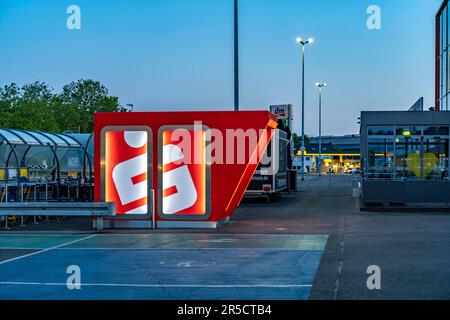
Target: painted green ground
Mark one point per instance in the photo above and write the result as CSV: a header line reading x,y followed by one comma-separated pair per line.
x,y
161,266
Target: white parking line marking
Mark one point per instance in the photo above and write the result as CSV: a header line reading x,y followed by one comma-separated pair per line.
x,y
224,286
45,250
167,249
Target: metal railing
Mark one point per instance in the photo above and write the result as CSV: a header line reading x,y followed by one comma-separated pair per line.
x,y
97,210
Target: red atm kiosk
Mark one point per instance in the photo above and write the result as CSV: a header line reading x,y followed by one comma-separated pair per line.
x,y
177,169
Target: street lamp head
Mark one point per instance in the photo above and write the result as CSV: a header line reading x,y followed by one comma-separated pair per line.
x,y
303,43
321,84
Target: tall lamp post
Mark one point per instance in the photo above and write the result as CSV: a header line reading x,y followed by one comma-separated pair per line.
x,y
303,44
320,85
236,55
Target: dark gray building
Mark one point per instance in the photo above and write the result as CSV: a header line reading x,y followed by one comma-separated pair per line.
x,y
404,159
348,144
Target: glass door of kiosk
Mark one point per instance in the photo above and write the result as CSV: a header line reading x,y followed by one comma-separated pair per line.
x,y
183,175
126,164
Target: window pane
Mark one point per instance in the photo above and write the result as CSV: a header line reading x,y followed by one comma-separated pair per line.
x,y
12,138
440,36
435,158
44,139
445,72
28,139
441,31
446,75
441,74
409,148
58,140
381,131
408,131
436,131
70,140
381,158
444,27
400,161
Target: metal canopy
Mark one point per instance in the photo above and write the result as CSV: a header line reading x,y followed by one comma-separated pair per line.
x,y
37,138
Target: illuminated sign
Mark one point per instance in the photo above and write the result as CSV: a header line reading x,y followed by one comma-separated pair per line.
x,y
406,133
183,171
284,113
125,179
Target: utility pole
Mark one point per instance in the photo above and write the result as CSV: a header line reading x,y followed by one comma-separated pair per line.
x,y
236,55
319,164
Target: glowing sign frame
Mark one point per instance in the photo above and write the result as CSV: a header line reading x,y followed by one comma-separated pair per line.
x,y
149,132
207,141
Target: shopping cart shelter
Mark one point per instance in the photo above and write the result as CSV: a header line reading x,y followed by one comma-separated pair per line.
x,y
39,166
159,266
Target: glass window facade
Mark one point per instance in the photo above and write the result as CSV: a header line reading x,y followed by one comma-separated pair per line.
x,y
407,152
443,58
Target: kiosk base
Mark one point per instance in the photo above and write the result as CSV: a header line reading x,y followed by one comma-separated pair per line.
x,y
147,224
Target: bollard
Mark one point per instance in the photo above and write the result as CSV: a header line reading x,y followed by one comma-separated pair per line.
x,y
99,223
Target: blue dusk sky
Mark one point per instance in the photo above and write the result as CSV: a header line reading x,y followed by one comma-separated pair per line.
x,y
178,54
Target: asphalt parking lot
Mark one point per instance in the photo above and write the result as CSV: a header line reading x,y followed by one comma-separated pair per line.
x,y
411,248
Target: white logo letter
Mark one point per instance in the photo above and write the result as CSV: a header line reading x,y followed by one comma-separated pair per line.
x,y
124,173
374,20
74,280
374,280
181,179
74,20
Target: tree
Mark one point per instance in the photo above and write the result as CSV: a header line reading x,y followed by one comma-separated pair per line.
x,y
9,96
80,100
298,141
27,108
34,110
35,107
